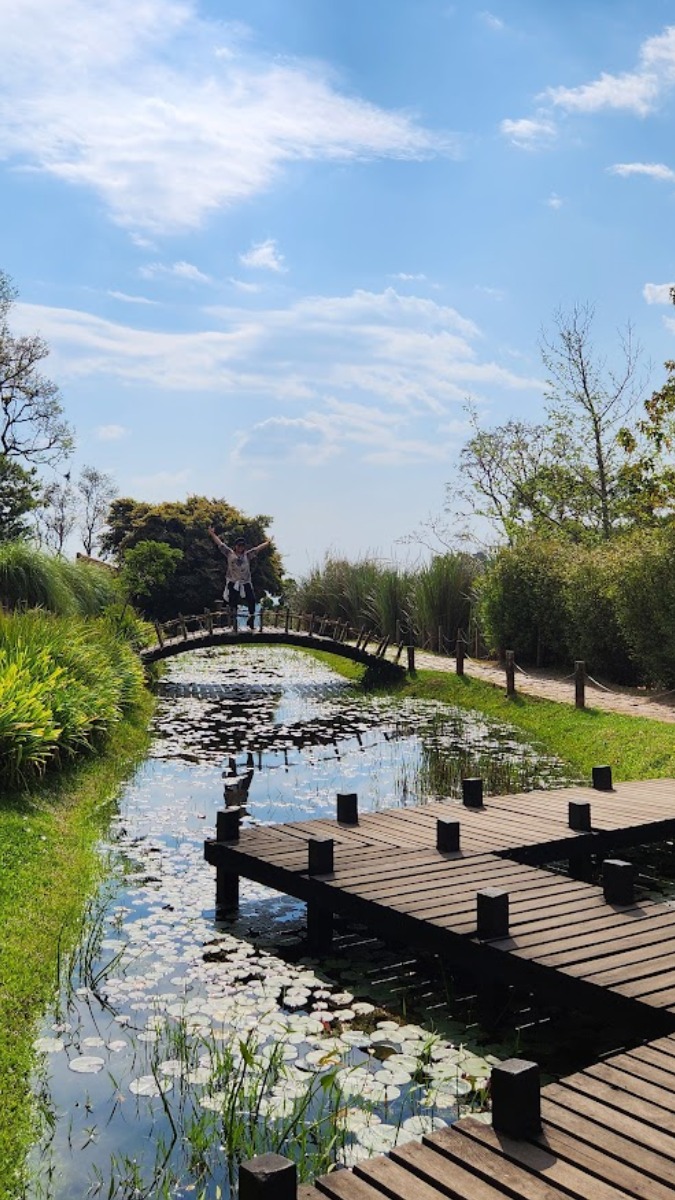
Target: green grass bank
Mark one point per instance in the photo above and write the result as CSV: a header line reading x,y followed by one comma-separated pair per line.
x,y
634,747
48,868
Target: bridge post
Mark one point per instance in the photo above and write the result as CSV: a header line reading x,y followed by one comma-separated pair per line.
x,y
287,622
411,659
580,683
160,635
510,673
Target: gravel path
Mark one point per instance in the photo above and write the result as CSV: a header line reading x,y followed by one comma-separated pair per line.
x,y
636,702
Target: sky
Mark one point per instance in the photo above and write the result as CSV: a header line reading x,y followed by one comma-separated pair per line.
x,y
276,246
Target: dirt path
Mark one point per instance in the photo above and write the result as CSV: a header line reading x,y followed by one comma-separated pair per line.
x,y
636,702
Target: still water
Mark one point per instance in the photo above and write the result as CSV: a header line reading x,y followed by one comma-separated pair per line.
x,y
180,1046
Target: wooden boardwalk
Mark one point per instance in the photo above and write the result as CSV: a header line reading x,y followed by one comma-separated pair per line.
x,y
607,1133
562,935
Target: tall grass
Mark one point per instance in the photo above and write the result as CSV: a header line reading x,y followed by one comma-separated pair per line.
x,y
65,683
31,579
432,603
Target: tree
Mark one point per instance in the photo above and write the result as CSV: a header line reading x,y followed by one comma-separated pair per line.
x,y
20,494
183,525
58,516
596,465
146,567
97,491
32,426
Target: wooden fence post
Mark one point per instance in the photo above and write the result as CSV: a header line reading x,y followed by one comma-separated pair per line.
x,y
510,673
459,654
268,1177
411,659
516,1098
580,683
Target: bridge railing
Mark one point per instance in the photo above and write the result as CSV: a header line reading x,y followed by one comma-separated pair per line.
x,y
334,629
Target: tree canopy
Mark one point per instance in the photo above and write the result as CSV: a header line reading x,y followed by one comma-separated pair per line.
x,y
183,525
19,495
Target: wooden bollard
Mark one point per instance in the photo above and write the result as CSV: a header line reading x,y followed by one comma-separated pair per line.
x,y
320,856
411,659
227,824
287,620
579,815
459,654
510,659
618,881
268,1177
447,836
492,913
516,1098
158,631
472,793
580,683
348,808
602,779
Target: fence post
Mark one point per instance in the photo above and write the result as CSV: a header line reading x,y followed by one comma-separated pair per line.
x,y
510,673
411,659
580,683
459,654
516,1100
160,637
268,1177
440,639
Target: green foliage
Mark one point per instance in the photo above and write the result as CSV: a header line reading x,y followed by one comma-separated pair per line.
x,y
31,579
19,495
199,577
644,600
65,683
521,601
392,602
146,567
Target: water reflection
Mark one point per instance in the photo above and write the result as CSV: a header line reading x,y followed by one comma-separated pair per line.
x,y
179,1047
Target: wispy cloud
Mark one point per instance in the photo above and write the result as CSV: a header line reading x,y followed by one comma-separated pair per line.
x,y
555,201
263,256
639,91
405,277
529,133
111,433
126,299
491,21
168,116
178,270
653,170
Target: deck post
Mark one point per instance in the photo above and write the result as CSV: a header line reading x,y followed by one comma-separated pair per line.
x,y
268,1177
510,672
580,683
579,815
459,655
492,913
516,1098
472,793
447,836
227,882
618,881
411,659
602,779
348,808
320,856
227,825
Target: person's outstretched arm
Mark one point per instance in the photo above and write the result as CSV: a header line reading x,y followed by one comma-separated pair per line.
x,y
216,540
256,549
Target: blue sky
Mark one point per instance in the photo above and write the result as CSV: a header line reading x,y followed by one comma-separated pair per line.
x,y
275,246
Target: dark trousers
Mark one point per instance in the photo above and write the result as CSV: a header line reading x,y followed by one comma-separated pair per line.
x,y
233,598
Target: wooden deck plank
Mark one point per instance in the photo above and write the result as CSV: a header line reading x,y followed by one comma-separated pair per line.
x,y
488,1164
584,1129
622,1121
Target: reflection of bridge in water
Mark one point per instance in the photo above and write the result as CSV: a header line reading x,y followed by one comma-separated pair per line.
x,y
277,628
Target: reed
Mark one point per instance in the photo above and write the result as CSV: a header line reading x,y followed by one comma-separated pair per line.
x,y
31,579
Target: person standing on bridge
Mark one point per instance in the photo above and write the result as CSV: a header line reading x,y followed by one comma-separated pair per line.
x,y
238,585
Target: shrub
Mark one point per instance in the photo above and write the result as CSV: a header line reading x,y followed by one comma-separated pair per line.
x,y
522,601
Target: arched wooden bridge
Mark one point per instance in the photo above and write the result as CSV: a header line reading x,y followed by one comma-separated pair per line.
x,y
277,628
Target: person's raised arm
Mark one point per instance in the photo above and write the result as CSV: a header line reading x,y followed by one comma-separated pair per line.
x,y
257,549
216,540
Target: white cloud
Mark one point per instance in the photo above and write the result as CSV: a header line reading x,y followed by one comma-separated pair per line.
x,y
131,299
177,270
658,293
168,116
111,433
263,256
529,133
243,286
420,277
554,201
638,91
654,170
492,21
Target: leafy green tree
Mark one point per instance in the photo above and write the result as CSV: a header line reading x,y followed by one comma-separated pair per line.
x,y
183,525
146,567
19,495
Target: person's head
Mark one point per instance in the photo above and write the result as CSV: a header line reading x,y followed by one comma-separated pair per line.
x,y
239,545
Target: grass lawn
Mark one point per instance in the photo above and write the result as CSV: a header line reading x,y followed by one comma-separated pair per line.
x,y
48,867
634,747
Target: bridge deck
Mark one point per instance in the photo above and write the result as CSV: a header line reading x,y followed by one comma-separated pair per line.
x,y
608,1133
563,935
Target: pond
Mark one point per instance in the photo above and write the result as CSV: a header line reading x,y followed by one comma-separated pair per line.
x,y
180,1046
